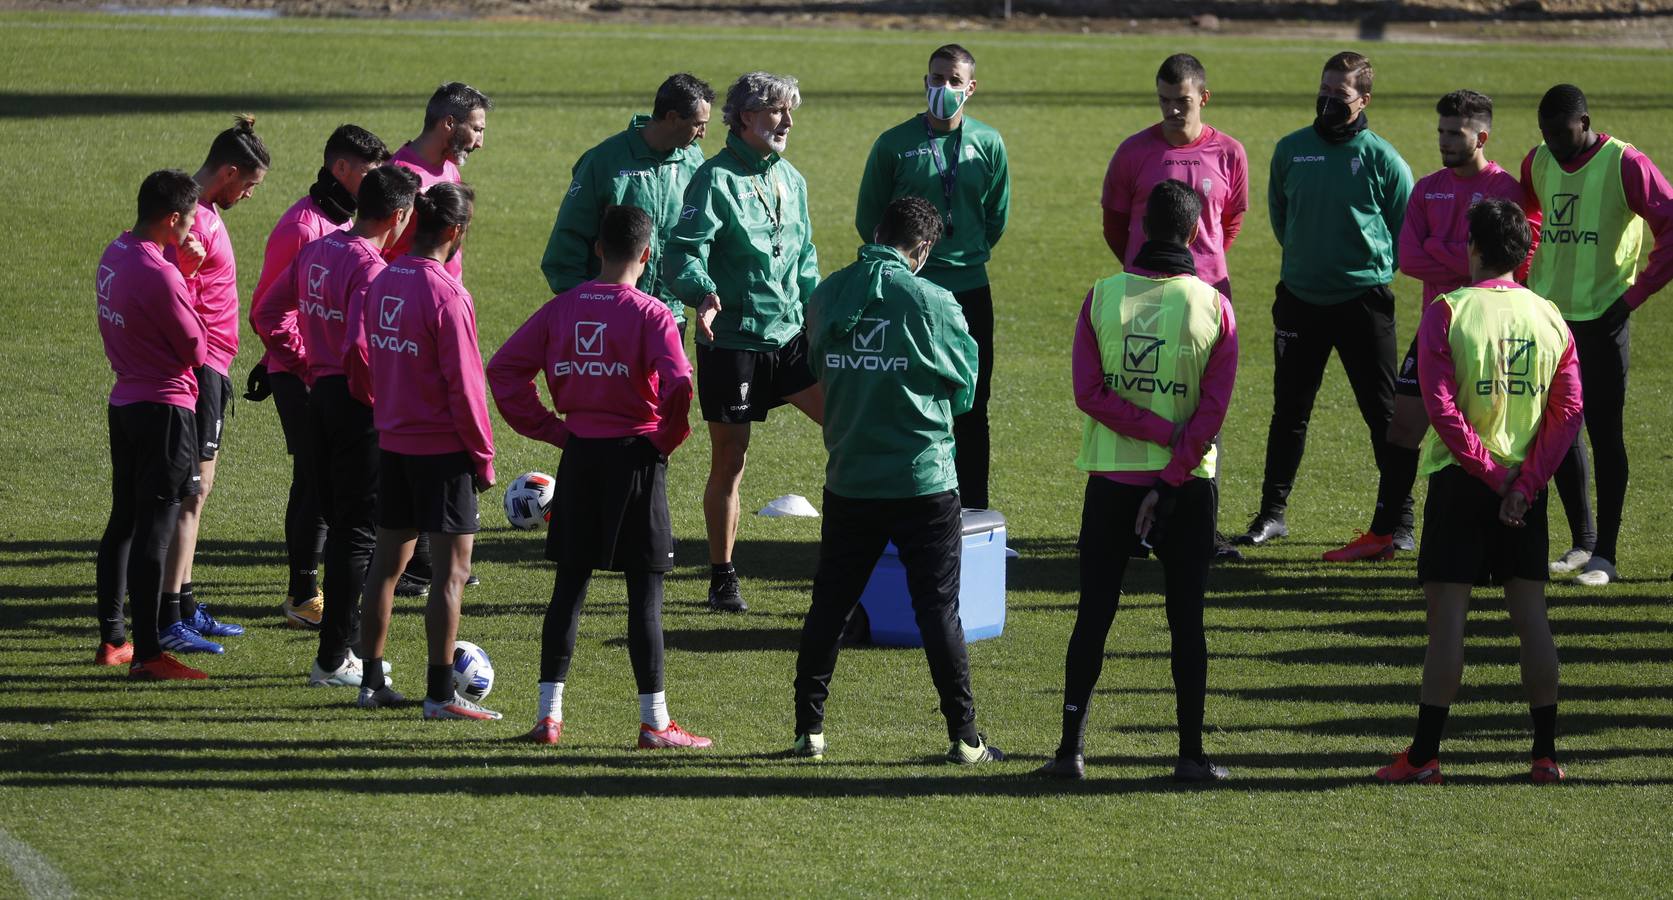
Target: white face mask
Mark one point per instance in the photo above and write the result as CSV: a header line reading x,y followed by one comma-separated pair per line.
x,y
922,262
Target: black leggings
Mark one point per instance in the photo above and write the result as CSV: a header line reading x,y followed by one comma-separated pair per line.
x,y
1184,546
304,516
644,626
1603,346
152,450
970,430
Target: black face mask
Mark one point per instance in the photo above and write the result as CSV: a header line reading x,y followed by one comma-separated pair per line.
x,y
1332,121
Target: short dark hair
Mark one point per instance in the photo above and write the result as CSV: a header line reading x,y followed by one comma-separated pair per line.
x,y
386,191
1499,231
238,146
455,99
440,207
163,192
1356,66
908,222
352,141
1471,106
680,95
1180,68
1171,212
623,233
953,53
1563,103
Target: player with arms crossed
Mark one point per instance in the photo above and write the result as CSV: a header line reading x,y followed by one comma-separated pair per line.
x,y
621,386
743,254
891,475
1155,359
350,153
154,339
1501,384
436,447
1597,194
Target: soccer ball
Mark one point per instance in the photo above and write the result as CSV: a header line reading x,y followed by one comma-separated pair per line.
x,y
473,673
528,501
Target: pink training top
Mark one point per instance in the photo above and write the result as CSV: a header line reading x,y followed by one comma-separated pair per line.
x,y
1648,196
1439,378
300,226
408,158
1114,412
425,368
1214,165
1434,241
614,366
308,305
152,333
214,286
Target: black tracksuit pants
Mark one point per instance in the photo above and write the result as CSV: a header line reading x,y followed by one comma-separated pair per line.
x,y
304,521
1603,346
970,431
153,463
345,458
928,532
1361,331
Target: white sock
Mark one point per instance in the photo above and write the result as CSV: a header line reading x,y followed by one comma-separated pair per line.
x,y
551,701
653,710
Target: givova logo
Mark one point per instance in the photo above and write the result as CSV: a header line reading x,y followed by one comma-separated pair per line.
x,y
1141,353
869,338
589,338
1516,358
1140,360
316,281
1559,227
107,276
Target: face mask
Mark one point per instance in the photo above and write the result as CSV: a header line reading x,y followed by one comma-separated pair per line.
x,y
922,262
1333,112
945,102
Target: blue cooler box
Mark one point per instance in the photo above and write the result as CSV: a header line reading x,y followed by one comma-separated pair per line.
x,y
981,587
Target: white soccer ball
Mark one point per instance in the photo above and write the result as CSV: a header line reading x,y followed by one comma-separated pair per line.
x,y
528,501
473,672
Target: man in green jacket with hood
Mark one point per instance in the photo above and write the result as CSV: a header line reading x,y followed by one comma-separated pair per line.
x,y
897,363
743,254
647,166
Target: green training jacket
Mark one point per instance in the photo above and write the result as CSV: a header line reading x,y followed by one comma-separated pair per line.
x,y
1337,211
622,170
724,243
903,163
897,363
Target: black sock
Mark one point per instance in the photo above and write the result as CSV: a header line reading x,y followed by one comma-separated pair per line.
x,y
1427,744
1545,731
1074,730
188,603
304,586
168,611
372,674
969,736
441,682
720,573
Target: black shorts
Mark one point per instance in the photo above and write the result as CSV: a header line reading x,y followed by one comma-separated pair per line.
x,y
1465,543
738,386
214,392
432,493
153,450
1405,377
610,507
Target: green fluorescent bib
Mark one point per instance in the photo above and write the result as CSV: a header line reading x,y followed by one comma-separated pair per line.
x,y
1155,335
1589,241
1506,344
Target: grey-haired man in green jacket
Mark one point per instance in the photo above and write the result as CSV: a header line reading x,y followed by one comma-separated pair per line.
x,y
743,254
897,363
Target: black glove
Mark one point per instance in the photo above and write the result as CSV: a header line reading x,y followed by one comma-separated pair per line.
x,y
258,387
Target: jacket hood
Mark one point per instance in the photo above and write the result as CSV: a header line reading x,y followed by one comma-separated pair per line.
x,y
847,307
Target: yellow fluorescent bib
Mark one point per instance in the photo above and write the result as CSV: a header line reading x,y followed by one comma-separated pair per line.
x,y
1589,241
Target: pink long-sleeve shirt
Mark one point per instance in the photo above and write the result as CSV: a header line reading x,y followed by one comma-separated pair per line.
x,y
614,365
1439,378
407,158
151,329
1648,196
300,226
1435,238
307,307
1214,165
214,286
1114,412
424,364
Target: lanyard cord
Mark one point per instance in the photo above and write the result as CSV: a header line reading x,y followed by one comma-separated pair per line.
x,y
775,213
947,171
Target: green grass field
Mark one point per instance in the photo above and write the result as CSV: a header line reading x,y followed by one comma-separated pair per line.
x,y
251,784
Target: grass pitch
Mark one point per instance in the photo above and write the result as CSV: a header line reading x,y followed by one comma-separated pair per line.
x,y
251,784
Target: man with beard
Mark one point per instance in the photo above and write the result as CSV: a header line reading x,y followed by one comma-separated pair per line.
x,y
743,254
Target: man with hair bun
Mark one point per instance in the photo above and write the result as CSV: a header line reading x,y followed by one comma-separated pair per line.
x,y
646,166
329,205
959,165
236,164
891,475
1598,195
1501,384
743,254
